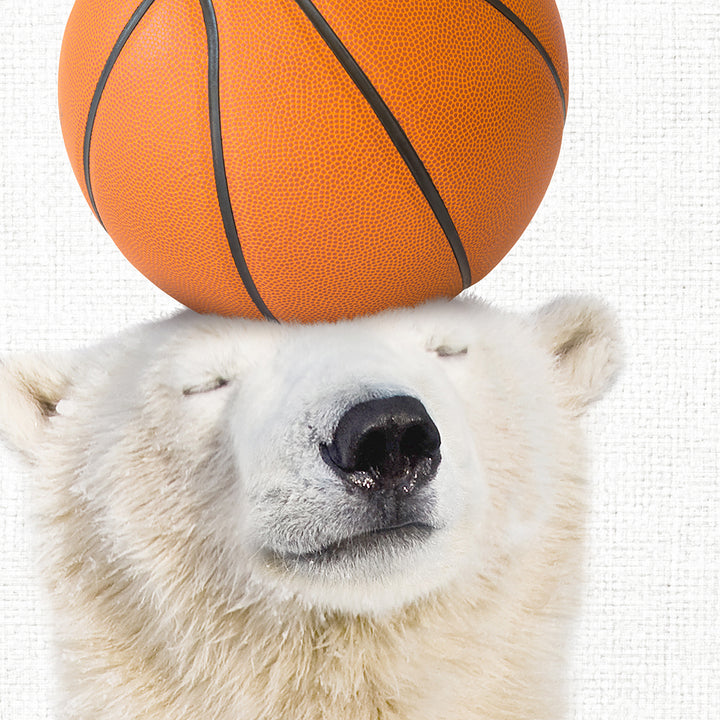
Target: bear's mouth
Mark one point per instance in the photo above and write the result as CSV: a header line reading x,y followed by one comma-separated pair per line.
x,y
395,538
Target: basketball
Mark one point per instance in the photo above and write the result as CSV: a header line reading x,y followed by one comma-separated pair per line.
x,y
306,161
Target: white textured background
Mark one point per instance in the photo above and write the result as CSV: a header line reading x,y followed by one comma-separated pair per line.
x,y
632,215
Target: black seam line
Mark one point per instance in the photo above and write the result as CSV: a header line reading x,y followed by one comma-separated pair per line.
x,y
132,23
396,134
530,35
221,182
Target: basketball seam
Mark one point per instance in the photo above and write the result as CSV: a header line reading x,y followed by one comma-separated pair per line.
x,y
530,35
221,182
396,134
124,36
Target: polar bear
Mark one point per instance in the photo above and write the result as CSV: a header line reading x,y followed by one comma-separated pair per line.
x,y
377,519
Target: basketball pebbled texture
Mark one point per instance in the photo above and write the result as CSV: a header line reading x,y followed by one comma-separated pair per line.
x,y
328,217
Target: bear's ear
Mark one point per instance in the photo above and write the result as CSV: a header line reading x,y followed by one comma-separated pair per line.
x,y
31,386
583,337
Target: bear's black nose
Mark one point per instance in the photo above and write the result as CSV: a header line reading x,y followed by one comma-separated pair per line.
x,y
385,444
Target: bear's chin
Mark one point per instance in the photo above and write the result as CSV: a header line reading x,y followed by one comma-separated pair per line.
x,y
362,547
373,573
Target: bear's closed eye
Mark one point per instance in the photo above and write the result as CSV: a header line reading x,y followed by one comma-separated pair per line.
x,y
209,386
450,350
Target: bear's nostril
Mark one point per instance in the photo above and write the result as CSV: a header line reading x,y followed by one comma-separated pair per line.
x,y
371,452
420,440
387,443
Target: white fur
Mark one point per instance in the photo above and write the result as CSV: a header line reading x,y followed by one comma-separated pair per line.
x,y
180,480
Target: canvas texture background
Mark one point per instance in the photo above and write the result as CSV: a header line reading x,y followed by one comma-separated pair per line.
x,y
631,215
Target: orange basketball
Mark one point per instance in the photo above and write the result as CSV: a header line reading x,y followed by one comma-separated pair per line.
x,y
308,160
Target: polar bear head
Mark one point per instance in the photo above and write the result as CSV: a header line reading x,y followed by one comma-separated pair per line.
x,y
357,466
